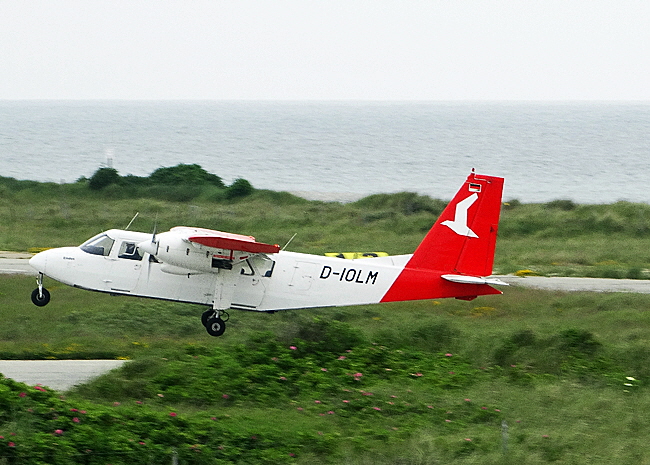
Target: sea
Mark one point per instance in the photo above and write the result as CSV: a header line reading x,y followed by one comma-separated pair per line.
x,y
587,152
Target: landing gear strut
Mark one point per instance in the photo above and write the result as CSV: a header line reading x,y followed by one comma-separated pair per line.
x,y
214,324
40,295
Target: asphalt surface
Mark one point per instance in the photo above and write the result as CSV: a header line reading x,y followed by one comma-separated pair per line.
x,y
15,263
62,375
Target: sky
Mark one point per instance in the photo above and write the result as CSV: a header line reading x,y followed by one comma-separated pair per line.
x,y
325,50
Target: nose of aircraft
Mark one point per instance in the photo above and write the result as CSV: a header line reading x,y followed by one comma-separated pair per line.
x,y
39,261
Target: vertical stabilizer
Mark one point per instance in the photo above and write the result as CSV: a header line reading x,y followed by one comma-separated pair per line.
x,y
461,242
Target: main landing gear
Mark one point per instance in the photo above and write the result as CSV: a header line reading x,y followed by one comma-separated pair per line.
x,y
214,324
40,295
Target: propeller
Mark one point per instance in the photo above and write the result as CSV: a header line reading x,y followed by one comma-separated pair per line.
x,y
150,247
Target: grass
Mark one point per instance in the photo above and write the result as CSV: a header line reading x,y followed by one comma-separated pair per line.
x,y
554,366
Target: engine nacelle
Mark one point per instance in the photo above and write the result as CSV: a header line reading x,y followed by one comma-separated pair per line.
x,y
180,254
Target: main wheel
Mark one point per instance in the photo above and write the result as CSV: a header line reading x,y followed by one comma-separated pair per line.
x,y
41,299
215,326
206,316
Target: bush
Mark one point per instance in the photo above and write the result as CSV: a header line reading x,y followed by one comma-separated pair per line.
x,y
185,174
103,177
239,188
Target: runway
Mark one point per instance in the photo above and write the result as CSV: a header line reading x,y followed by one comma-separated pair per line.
x,y
59,375
16,263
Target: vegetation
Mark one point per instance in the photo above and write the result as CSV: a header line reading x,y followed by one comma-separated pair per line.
x,y
527,377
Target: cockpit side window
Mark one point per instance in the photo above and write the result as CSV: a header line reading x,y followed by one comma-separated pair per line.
x,y
98,245
130,251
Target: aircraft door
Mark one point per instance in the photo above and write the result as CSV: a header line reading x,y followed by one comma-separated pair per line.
x,y
303,276
125,267
250,285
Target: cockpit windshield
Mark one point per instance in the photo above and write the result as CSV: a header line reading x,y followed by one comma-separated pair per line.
x,y
98,245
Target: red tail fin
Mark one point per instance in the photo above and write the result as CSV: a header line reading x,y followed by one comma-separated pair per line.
x,y
461,242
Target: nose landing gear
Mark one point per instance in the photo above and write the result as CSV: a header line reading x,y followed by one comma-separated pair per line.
x,y
40,295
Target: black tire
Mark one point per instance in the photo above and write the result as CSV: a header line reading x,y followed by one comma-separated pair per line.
x,y
41,300
206,316
215,326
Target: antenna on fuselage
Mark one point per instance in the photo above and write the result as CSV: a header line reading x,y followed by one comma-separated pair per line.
x,y
289,241
131,222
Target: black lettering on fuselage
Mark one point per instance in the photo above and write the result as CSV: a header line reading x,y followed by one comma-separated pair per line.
x,y
350,275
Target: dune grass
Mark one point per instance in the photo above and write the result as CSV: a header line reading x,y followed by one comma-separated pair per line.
x,y
567,372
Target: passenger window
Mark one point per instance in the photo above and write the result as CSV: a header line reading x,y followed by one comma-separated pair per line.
x,y
98,245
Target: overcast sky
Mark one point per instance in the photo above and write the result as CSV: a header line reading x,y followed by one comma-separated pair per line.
x,y
326,50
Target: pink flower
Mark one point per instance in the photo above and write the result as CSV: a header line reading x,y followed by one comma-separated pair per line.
x,y
376,408
291,454
173,414
483,408
58,431
142,443
346,401
317,402
83,412
74,410
545,436
497,410
358,375
331,412
448,421
213,418
449,355
300,409
75,419
468,400
225,396
292,347
11,444
115,404
323,369
429,406
342,357
282,378
2,437
468,440
22,394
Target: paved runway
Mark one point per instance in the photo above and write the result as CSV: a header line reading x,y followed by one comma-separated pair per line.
x,y
59,375
558,283
15,263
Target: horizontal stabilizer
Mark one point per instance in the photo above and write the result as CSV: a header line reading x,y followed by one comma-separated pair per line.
x,y
462,279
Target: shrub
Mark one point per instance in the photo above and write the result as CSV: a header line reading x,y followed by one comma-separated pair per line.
x,y
239,188
103,177
185,174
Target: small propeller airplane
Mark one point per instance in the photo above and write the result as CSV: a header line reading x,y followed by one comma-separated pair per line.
x,y
232,271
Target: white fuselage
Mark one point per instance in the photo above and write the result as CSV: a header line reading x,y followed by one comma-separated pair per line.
x,y
261,282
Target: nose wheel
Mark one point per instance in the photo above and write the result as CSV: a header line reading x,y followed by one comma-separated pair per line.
x,y
40,295
214,324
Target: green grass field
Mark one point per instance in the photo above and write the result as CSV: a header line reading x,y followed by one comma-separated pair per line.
x,y
432,382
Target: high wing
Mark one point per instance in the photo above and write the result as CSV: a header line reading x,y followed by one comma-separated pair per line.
x,y
227,241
